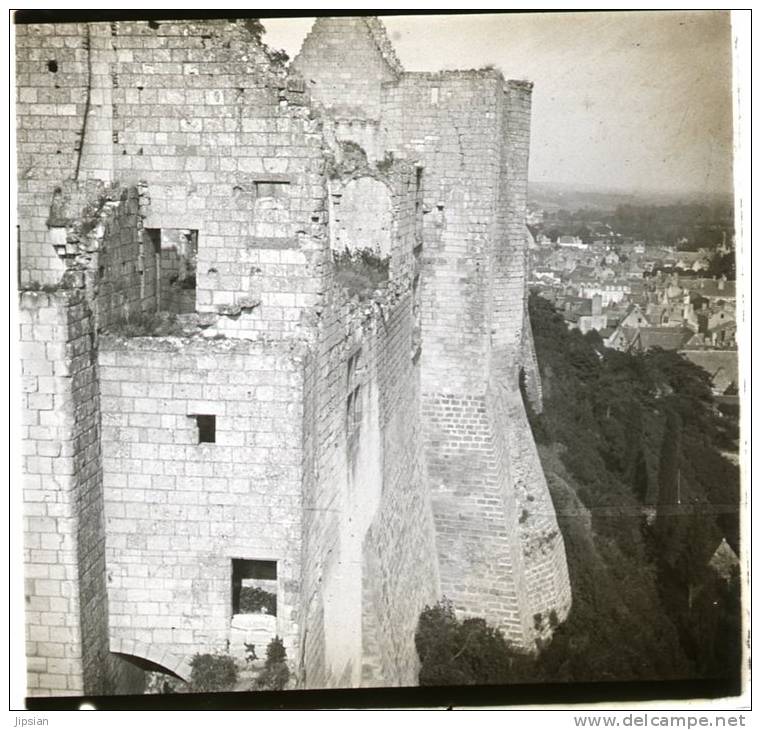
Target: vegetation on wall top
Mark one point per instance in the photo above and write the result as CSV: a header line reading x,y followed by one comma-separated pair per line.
x,y
361,273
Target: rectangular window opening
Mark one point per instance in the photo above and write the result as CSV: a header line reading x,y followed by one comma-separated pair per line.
x,y
153,237
172,276
254,586
207,429
277,189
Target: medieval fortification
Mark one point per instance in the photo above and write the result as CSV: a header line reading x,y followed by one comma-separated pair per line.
x,y
273,322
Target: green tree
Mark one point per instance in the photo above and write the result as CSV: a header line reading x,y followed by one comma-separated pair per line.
x,y
612,425
212,673
275,675
466,652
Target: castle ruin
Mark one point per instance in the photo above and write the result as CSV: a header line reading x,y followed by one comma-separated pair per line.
x,y
336,252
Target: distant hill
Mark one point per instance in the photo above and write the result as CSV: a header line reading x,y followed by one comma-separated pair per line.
x,y
552,196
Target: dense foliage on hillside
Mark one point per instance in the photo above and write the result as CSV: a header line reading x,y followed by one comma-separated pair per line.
x,y
466,652
630,445
632,435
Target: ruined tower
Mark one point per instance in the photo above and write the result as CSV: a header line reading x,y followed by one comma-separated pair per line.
x,y
500,552
272,326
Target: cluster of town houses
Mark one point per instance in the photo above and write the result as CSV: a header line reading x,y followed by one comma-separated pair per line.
x,y
639,297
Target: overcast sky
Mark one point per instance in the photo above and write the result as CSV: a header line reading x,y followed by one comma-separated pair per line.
x,y
626,100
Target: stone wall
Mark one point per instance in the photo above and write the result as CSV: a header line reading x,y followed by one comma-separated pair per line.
x,y
501,555
348,91
471,133
367,520
67,618
510,252
474,510
204,117
400,571
530,365
54,635
200,113
541,544
178,511
121,290
105,249
368,539
454,134
51,92
542,550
